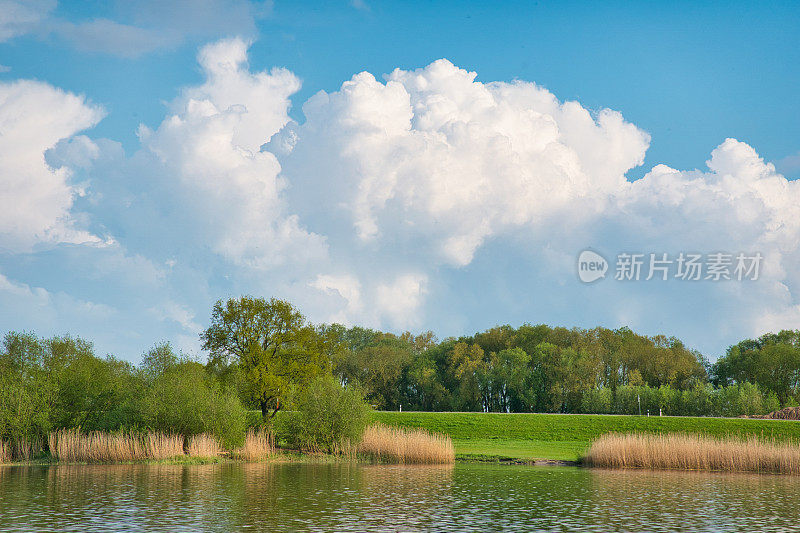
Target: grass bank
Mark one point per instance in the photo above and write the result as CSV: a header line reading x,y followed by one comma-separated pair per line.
x,y
529,436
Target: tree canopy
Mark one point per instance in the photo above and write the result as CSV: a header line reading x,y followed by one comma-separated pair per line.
x,y
270,343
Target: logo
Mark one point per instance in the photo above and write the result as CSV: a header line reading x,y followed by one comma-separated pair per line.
x,y
591,266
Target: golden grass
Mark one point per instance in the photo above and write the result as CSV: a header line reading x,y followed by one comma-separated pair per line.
x,y
258,446
70,445
163,445
693,452
406,445
5,452
204,445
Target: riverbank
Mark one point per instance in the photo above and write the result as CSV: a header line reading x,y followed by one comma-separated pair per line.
x,y
527,437
378,443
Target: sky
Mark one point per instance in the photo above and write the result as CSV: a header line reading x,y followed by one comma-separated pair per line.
x,y
404,166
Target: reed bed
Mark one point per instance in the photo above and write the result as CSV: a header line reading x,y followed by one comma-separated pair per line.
x,y
163,445
407,446
70,445
693,452
204,445
5,452
258,446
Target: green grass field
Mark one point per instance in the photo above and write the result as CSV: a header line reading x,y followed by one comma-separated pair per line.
x,y
527,436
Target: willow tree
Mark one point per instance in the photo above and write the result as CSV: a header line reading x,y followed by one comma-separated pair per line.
x,y
271,342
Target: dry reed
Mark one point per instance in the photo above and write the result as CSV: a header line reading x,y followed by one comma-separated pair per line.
x,y
5,452
693,452
204,445
163,445
258,446
70,445
406,445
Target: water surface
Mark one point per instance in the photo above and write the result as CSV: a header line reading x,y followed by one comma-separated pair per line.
x,y
348,497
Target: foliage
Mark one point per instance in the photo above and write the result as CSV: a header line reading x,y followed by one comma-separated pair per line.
x,y
327,415
772,362
270,343
181,397
26,390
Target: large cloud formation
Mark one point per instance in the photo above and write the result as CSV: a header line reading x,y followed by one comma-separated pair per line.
x,y
427,198
36,199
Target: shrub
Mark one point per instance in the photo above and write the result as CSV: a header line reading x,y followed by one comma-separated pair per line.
x,y
184,399
327,416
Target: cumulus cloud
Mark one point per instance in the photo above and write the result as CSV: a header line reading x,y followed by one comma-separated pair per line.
x,y
401,299
36,200
425,199
456,161
428,166
207,157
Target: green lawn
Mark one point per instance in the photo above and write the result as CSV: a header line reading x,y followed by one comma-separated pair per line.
x,y
525,436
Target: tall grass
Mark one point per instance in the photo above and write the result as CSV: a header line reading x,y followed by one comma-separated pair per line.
x,y
70,445
163,445
258,445
693,452
5,452
406,445
204,445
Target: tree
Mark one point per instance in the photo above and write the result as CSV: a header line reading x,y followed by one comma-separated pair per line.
x,y
272,344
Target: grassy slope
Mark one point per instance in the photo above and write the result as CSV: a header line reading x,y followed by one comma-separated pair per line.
x,y
566,437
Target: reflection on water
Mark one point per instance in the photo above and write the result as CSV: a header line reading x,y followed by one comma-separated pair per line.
x,y
295,497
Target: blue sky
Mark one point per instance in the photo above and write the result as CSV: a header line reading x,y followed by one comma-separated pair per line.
x,y
137,190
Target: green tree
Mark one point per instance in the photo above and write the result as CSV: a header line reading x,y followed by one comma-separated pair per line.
x,y
272,344
180,396
326,415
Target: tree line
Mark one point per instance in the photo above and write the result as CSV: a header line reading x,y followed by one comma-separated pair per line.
x,y
262,355
537,368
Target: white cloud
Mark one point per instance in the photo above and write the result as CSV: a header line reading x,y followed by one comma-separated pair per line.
x,y
435,153
44,310
21,17
110,37
207,157
429,165
424,199
348,305
401,300
36,200
139,26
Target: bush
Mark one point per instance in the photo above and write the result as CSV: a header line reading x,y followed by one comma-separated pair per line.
x,y
327,416
184,399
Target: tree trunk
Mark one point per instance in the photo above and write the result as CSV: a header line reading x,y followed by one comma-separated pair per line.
x,y
277,407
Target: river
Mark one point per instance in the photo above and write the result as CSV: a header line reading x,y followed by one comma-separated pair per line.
x,y
348,497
